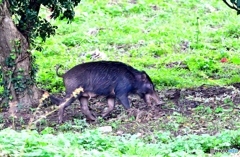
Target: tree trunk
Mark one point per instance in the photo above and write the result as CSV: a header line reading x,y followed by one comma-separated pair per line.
x,y
16,64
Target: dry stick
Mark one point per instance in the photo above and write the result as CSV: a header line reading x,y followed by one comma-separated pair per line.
x,y
75,93
48,113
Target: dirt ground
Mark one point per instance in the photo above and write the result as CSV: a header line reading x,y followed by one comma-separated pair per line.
x,y
206,109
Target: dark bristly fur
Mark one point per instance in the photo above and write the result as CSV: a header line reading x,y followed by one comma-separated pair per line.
x,y
107,78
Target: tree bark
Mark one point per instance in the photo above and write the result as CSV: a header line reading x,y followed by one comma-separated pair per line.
x,y
16,63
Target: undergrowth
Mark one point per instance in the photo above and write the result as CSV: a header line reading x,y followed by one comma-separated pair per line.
x,y
94,143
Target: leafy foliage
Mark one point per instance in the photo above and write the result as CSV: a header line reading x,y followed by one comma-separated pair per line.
x,y
25,15
31,25
94,143
9,74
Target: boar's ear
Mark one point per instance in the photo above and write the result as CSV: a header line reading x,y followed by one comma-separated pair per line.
x,y
142,76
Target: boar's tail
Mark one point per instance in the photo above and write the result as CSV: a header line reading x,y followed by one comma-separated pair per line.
x,y
55,100
57,68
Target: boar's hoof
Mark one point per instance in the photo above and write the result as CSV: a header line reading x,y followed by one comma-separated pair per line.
x,y
94,114
160,102
91,117
60,121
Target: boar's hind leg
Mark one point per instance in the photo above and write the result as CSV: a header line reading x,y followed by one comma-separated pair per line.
x,y
124,100
62,106
85,109
111,104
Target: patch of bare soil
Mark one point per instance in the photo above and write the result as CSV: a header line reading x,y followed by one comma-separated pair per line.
x,y
206,109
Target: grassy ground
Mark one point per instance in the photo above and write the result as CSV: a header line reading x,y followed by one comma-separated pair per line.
x,y
181,44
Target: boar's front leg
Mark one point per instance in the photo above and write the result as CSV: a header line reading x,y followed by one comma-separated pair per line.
x,y
85,109
111,104
124,100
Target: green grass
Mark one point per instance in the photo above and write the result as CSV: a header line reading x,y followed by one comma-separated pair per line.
x,y
94,143
148,35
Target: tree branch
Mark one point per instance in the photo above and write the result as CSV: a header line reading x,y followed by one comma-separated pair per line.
x,y
34,5
232,7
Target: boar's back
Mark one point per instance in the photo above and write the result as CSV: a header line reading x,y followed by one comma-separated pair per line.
x,y
101,77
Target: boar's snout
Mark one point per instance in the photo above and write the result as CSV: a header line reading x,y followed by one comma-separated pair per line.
x,y
152,96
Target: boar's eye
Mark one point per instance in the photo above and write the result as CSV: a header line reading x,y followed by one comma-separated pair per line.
x,y
149,86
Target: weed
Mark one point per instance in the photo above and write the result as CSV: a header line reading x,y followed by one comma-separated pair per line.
x,y
32,109
1,119
67,126
218,110
47,130
21,121
80,124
